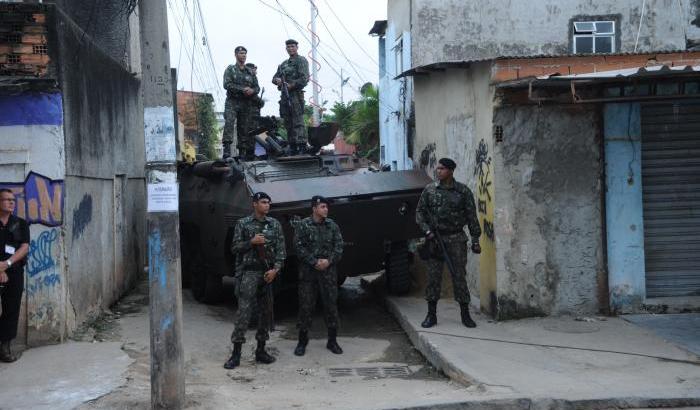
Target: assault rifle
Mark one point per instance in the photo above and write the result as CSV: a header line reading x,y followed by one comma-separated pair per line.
x,y
260,249
441,243
284,87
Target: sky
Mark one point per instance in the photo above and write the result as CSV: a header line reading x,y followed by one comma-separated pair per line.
x,y
260,25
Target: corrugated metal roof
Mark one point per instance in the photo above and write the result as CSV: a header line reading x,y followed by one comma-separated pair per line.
x,y
658,70
465,63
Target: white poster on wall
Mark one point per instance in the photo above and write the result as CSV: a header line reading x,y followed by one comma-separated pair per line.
x,y
162,197
159,132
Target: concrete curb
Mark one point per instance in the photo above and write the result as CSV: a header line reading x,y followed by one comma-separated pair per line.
x,y
429,350
440,361
557,404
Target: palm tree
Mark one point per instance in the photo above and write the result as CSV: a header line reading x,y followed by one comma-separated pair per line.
x,y
363,124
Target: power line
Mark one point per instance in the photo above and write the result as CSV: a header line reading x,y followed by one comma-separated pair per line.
x,y
336,42
349,33
182,40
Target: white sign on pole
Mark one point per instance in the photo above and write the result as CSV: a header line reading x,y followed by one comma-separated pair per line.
x,y
162,197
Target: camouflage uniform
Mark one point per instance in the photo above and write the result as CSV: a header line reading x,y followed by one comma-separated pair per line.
x,y
295,72
315,241
452,207
250,288
240,109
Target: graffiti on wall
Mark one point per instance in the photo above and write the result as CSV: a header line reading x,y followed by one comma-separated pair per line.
x,y
42,268
484,181
428,160
39,199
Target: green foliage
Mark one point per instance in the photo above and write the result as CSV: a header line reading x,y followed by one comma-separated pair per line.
x,y
208,127
363,123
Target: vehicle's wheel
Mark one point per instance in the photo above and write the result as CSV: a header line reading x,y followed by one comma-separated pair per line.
x,y
198,284
397,273
341,278
213,289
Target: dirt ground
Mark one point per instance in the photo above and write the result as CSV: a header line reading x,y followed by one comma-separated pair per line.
x,y
379,369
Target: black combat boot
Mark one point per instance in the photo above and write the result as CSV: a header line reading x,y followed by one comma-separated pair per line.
x,y
466,319
293,149
332,344
303,341
227,150
6,354
261,356
235,359
431,317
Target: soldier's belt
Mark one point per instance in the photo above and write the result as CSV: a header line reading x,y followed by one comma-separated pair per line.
x,y
453,236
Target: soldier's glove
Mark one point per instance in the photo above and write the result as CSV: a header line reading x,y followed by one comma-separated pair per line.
x,y
476,248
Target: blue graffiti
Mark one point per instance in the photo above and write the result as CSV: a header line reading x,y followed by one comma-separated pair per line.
x,y
40,253
43,282
157,268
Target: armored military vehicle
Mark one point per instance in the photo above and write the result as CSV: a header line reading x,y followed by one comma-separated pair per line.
x,y
374,208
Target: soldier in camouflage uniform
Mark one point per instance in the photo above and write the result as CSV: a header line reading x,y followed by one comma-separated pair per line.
x,y
242,88
257,102
446,206
255,274
295,73
319,246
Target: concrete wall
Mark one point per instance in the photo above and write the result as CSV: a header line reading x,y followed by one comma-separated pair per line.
x,y
624,215
32,164
456,30
548,223
104,154
453,119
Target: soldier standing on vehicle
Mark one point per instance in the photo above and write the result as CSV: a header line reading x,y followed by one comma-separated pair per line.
x,y
446,206
258,102
293,74
242,88
319,246
256,274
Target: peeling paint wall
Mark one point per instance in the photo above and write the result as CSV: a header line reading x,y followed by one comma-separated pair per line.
x,y
623,202
548,220
32,165
456,30
453,115
105,155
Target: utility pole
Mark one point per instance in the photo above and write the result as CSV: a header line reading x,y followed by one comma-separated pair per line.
x,y
165,306
316,118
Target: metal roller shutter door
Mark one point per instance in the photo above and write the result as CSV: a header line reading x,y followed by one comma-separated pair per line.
x,y
671,197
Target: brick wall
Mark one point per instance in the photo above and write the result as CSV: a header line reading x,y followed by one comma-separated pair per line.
x,y
23,40
518,68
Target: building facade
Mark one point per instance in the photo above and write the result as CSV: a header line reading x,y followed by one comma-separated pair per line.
x,y
557,160
72,150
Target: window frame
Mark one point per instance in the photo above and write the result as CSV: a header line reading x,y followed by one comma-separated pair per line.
x,y
593,34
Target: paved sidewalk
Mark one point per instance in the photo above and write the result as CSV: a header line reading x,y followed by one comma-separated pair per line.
x,y
553,362
61,377
682,329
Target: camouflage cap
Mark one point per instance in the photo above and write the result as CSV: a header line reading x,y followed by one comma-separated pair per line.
x,y
318,199
240,48
261,195
291,41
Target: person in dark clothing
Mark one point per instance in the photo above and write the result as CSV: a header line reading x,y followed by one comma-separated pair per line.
x,y
14,247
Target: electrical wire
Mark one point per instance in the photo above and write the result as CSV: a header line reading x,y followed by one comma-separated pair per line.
x,y
349,33
336,42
